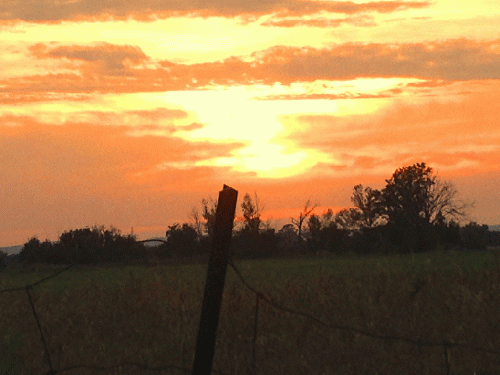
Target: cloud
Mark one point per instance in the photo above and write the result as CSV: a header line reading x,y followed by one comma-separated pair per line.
x,y
166,121
322,22
81,154
107,59
79,173
352,94
459,59
451,60
117,69
452,134
53,10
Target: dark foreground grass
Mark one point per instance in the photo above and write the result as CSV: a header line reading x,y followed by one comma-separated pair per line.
x,y
149,315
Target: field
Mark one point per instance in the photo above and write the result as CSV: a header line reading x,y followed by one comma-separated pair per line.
x,y
438,312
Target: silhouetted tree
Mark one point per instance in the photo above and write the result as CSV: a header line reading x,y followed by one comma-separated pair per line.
x,y
251,213
348,219
369,206
314,229
327,217
30,253
248,242
252,245
182,240
302,217
474,236
413,201
447,234
288,238
88,245
314,225
414,194
208,212
3,257
411,213
197,222
334,238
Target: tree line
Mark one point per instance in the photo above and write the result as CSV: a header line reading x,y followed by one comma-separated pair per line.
x,y
95,245
414,212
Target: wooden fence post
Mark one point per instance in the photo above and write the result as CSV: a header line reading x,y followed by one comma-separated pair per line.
x,y
214,286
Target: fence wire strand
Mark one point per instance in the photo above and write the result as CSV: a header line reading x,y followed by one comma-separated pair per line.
x,y
39,281
53,371
421,343
44,342
445,345
255,325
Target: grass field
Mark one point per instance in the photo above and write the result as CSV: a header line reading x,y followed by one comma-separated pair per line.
x,y
149,315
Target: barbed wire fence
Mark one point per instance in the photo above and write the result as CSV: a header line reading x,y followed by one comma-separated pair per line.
x,y
52,370
260,298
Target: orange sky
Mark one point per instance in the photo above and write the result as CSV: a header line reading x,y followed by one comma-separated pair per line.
x,y
129,113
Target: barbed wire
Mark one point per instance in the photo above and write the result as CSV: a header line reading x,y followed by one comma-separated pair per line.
x,y
52,371
39,281
446,345
122,364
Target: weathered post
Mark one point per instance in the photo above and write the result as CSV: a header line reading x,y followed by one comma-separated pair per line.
x,y
214,286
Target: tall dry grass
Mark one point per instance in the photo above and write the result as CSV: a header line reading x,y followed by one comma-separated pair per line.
x,y
103,317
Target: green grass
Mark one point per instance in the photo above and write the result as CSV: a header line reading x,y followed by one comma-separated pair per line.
x,y
150,315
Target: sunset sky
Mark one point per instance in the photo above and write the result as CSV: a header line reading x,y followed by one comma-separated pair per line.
x,y
128,113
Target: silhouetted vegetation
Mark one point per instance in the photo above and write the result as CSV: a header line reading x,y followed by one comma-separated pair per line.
x,y
94,245
414,212
3,258
182,241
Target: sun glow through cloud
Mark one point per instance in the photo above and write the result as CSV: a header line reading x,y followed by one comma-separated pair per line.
x,y
109,110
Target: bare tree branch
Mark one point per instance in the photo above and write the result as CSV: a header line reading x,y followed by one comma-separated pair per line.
x,y
302,217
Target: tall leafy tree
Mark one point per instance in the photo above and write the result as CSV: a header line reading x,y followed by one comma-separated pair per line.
x,y
412,211
314,228
407,195
208,212
415,196
368,203
251,213
415,202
